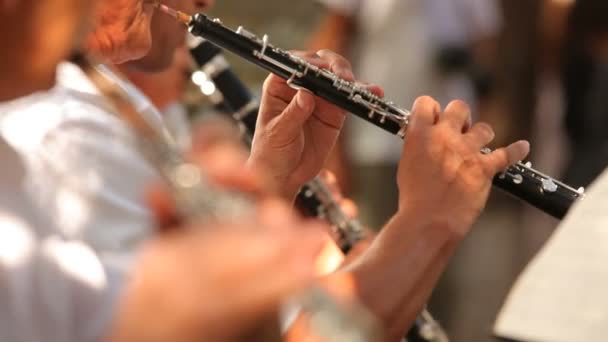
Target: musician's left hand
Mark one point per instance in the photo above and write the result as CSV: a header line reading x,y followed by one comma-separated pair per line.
x,y
296,130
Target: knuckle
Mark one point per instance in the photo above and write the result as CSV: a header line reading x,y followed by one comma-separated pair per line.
x,y
303,54
482,133
486,128
324,52
343,62
450,166
267,82
424,105
442,135
459,106
425,100
499,160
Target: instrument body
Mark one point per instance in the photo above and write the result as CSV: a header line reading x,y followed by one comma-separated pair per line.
x,y
520,180
315,197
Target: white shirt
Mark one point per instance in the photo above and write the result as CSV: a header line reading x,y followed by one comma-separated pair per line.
x,y
53,287
395,48
83,165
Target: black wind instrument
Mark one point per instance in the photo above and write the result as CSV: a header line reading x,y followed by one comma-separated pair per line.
x,y
315,197
520,180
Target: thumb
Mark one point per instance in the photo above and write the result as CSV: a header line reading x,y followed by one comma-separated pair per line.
x,y
296,113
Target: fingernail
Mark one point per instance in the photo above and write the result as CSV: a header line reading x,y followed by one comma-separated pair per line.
x,y
311,245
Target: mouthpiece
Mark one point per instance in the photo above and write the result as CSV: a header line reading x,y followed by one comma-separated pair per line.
x,y
178,15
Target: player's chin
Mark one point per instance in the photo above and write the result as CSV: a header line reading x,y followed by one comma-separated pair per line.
x,y
157,61
136,47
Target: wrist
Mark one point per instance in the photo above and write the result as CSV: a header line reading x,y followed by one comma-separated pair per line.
x,y
409,251
409,216
278,185
411,235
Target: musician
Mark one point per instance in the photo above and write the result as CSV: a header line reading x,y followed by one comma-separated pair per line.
x,y
443,180
55,287
166,90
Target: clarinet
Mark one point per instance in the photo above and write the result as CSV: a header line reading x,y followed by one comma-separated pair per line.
x,y
314,197
520,180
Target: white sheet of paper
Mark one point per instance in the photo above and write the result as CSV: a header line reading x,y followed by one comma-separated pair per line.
x,y
562,296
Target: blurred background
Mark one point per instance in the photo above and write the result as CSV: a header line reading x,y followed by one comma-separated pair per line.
x,y
534,69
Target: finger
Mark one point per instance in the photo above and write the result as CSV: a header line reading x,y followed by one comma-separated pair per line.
x,y
214,132
331,182
312,57
376,90
502,158
337,64
275,214
329,259
297,112
162,205
349,208
373,88
277,88
290,268
457,115
480,135
224,165
425,112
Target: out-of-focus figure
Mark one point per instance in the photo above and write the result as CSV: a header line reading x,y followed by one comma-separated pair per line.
x,y
166,89
410,47
585,78
548,134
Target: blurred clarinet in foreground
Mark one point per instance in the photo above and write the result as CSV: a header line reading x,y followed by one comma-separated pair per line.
x,y
195,196
520,180
197,199
315,197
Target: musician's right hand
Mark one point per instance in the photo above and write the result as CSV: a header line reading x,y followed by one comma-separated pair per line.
x,y
216,282
442,175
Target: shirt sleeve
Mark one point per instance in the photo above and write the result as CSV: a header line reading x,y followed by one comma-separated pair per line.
x,y
52,289
92,178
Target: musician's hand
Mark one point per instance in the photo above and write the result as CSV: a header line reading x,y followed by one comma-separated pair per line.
x,y
296,130
214,283
442,175
222,157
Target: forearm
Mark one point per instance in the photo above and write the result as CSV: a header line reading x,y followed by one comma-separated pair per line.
x,y
396,275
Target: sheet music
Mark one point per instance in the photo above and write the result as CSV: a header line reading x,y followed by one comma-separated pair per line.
x,y
562,296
